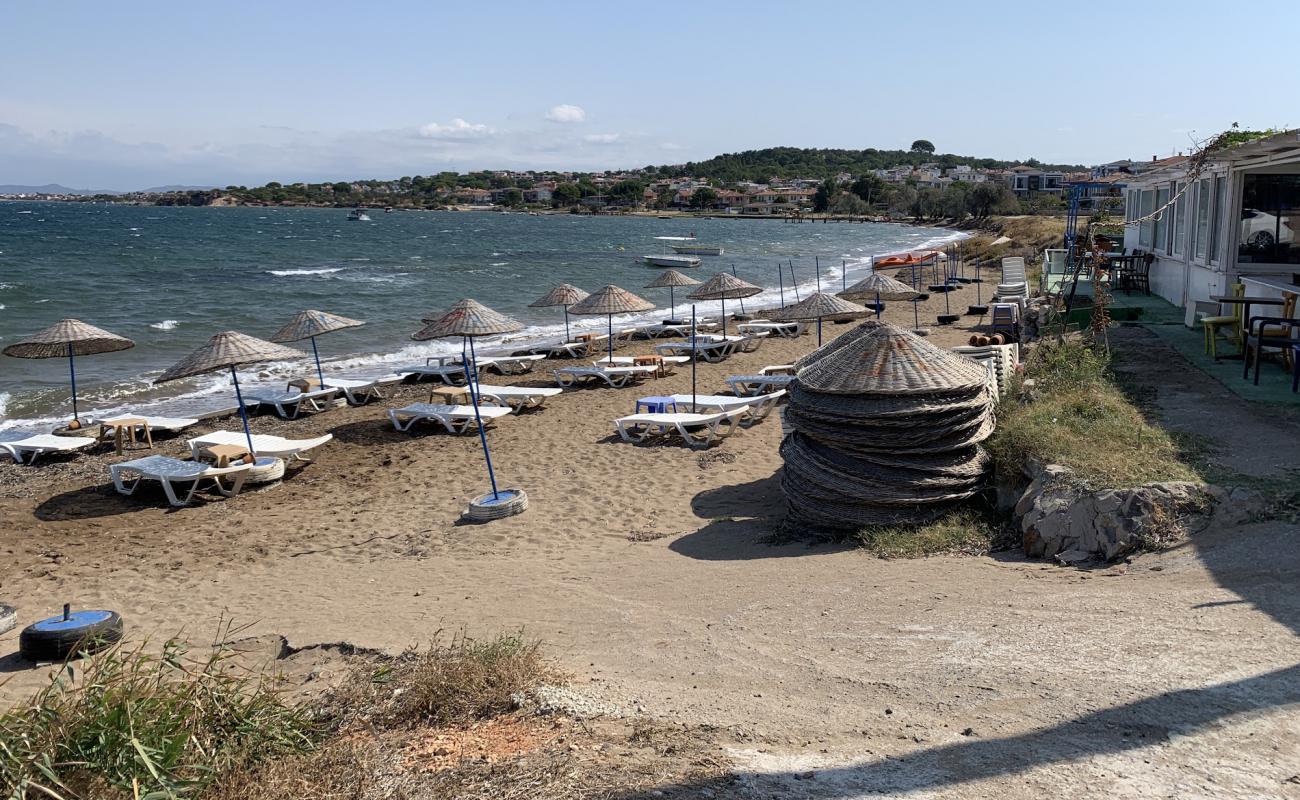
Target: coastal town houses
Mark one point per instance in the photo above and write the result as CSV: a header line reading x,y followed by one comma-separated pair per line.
x,y
1237,220
1027,181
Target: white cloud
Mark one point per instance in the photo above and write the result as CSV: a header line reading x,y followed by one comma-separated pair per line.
x,y
566,113
602,138
456,129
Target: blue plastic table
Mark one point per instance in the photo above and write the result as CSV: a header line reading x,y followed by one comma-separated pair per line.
x,y
656,405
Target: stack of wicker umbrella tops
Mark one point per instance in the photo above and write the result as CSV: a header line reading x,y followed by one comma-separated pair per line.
x,y
885,429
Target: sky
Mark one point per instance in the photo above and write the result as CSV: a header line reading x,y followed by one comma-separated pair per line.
x,y
128,95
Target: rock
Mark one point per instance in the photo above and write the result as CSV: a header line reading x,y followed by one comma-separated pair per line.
x,y
8,618
1074,556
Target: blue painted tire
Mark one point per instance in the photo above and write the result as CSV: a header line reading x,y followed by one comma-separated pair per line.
x,y
55,639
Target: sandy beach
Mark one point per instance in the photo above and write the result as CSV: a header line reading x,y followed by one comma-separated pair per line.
x,y
647,572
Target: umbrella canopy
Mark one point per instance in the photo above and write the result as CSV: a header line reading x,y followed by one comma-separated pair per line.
x,y
467,318
886,360
227,350
309,324
566,294
224,350
818,306
70,338
610,300
879,286
725,286
670,279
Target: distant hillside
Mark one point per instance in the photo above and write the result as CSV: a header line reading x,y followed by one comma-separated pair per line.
x,y
49,188
800,162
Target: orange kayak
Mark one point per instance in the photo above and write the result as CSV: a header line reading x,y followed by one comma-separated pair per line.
x,y
907,259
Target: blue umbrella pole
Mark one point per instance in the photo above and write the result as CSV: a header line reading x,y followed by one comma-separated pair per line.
x,y
72,371
610,317
844,275
724,316
916,314
817,272
243,412
566,325
320,373
482,434
794,283
742,300
819,331
694,345
672,301
780,279
880,310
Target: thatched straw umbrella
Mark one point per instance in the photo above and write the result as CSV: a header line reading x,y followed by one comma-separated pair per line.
x,y
227,350
818,306
69,337
469,319
309,325
611,300
566,294
724,286
882,287
670,279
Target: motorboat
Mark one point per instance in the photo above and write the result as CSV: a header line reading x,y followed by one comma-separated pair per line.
x,y
697,249
674,261
358,215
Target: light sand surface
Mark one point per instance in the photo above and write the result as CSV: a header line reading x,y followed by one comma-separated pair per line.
x,y
827,673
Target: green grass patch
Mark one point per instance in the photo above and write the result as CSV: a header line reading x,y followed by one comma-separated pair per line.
x,y
1080,418
132,724
965,531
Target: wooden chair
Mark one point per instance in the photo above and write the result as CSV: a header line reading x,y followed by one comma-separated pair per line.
x,y
1285,336
1229,322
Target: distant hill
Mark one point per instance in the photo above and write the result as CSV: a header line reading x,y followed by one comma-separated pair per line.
x,y
175,187
49,188
801,162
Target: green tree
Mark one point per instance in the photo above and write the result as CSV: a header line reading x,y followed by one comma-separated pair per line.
x,y
922,146
629,190
703,197
822,197
566,194
514,198
870,188
985,199
342,188
848,204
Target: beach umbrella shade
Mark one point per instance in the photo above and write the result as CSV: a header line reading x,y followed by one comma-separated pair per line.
x,y
566,294
228,350
610,300
881,287
724,286
818,306
69,338
310,324
470,319
670,279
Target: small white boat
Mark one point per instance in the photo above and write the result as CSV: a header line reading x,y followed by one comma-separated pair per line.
x,y
668,260
697,249
358,215
673,261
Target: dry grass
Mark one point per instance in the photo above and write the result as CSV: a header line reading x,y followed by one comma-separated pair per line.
x,y
460,681
1079,418
965,531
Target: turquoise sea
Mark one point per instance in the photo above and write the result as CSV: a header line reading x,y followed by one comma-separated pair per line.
x,y
169,278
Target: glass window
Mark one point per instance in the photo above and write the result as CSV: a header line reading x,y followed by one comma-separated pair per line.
x,y
1220,210
1270,209
1161,223
1146,203
1180,223
1200,234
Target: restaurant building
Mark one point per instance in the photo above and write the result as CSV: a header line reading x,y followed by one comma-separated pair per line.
x,y
1237,220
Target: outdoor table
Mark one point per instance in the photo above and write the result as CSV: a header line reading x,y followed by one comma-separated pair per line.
x,y
303,384
1245,303
451,395
656,405
650,361
122,429
1119,264
225,453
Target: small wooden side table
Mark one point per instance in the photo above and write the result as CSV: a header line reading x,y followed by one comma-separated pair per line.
x,y
451,395
123,429
650,361
225,453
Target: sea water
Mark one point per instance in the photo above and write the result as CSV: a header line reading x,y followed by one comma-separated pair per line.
x,y
169,278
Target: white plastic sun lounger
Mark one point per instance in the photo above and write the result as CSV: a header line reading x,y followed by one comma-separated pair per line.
x,y
572,349
518,398
288,405
614,377
171,472
756,408
450,374
711,351
456,419
263,444
669,362
751,385
27,445
789,330
696,430
170,424
509,365
777,369
358,391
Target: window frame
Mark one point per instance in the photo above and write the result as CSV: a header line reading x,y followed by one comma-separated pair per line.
x,y
1200,249
1218,213
1180,221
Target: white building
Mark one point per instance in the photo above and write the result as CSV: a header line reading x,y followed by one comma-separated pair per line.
x,y
1237,220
